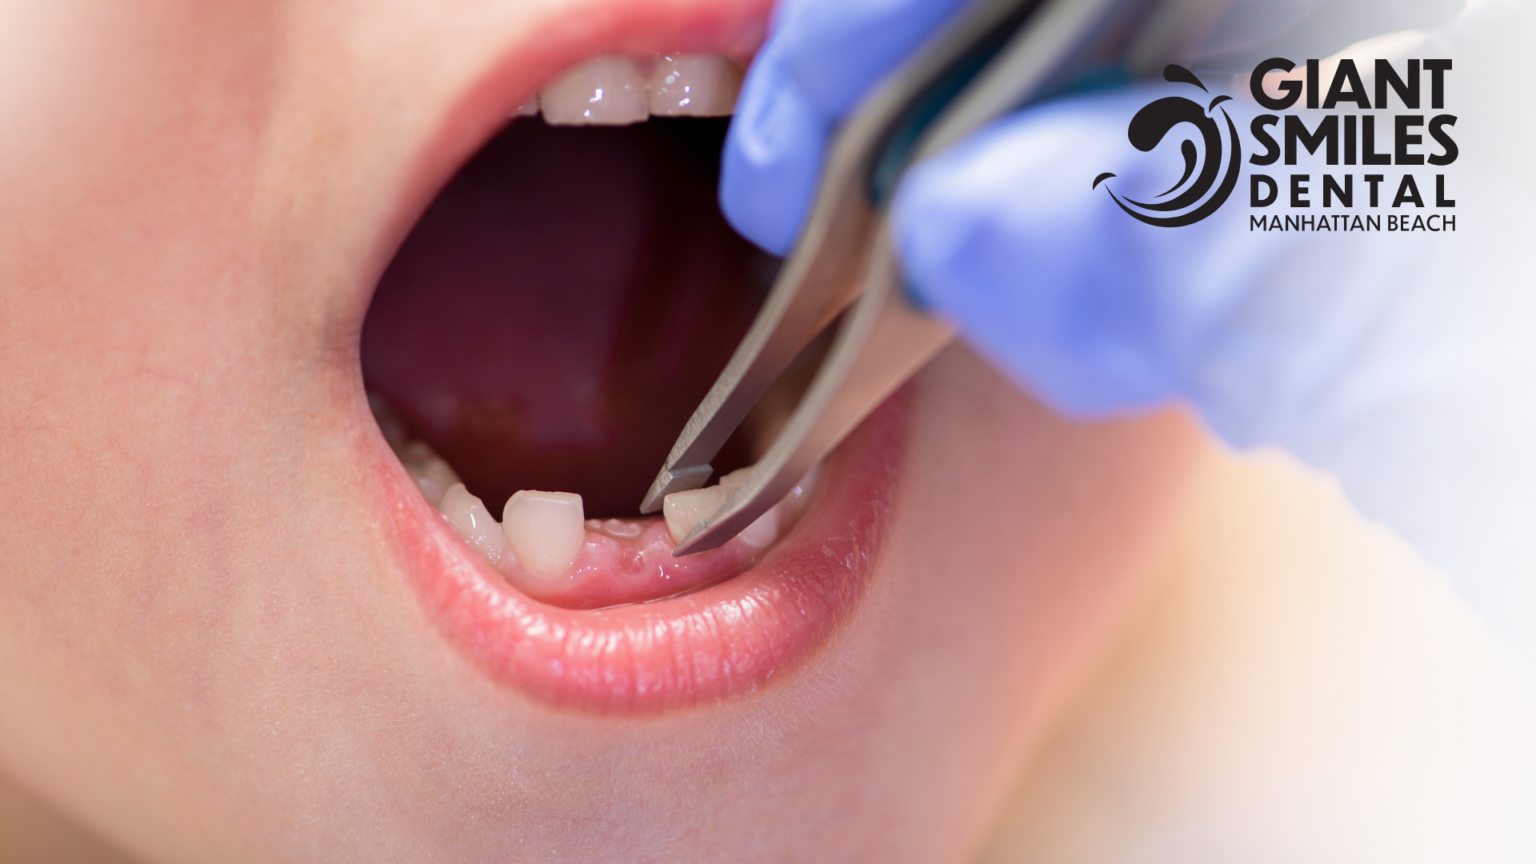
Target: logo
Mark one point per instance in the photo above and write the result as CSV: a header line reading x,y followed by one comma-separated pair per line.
x,y
1195,196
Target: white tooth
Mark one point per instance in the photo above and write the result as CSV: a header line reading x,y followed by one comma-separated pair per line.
x,y
546,529
736,478
762,532
433,476
606,91
529,108
621,528
694,85
800,496
684,510
474,523
617,528
430,489
765,530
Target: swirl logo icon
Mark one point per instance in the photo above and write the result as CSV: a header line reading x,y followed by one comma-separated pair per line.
x,y
1195,196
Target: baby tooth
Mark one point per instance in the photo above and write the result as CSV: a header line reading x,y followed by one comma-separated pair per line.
x,y
433,476
474,523
736,478
529,108
762,532
547,529
765,530
684,510
604,90
430,489
800,496
620,528
694,85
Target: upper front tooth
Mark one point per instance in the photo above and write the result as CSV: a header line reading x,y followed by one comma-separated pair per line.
x,y
694,85
603,90
474,523
547,529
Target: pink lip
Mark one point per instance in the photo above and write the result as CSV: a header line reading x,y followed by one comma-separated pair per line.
x,y
727,639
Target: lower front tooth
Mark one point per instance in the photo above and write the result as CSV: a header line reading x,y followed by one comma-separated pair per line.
x,y
736,478
431,474
474,523
800,496
602,91
616,527
684,510
762,532
547,529
694,85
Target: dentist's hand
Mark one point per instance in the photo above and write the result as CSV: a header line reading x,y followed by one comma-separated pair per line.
x,y
823,56
1400,362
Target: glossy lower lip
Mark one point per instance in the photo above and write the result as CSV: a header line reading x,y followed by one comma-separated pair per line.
x,y
725,640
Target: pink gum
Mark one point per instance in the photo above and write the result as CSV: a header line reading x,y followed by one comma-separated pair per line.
x,y
610,570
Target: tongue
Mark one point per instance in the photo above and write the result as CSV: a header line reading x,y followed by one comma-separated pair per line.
x,y
561,308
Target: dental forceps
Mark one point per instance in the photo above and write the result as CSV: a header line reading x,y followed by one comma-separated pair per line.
x,y
997,56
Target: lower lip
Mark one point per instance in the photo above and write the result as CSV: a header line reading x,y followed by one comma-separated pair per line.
x,y
725,640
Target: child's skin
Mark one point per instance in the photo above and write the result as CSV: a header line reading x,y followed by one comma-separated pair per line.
x,y
212,649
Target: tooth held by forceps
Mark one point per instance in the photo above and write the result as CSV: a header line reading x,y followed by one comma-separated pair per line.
x,y
685,510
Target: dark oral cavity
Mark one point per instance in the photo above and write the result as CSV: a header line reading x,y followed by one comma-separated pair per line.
x,y
561,308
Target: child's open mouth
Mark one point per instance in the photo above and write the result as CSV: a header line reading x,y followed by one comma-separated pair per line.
x,y
531,353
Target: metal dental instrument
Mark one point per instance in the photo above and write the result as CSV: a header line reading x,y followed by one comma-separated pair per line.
x,y
996,57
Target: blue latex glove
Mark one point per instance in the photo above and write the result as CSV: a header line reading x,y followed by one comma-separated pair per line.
x,y
823,56
1403,365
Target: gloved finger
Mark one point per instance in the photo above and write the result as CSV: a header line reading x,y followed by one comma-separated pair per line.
x,y
772,159
837,51
819,60
1002,235
1401,362
1009,236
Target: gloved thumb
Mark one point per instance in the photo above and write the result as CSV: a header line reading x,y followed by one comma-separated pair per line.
x,y
1007,236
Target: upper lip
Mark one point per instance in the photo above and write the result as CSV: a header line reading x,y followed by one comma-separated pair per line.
x,y
723,640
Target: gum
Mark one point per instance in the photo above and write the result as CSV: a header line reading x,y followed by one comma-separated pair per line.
x,y
622,561
613,570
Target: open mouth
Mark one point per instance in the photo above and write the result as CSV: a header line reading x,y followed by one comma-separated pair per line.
x,y
530,354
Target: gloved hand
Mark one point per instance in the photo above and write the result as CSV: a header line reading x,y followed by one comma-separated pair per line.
x,y
822,57
1401,363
